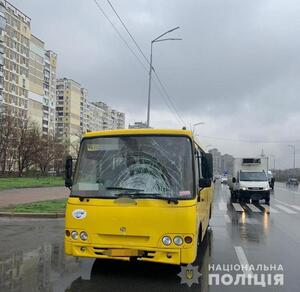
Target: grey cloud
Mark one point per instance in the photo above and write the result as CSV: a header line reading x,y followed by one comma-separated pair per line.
x,y
238,61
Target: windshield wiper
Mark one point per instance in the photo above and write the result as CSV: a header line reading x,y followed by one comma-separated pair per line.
x,y
124,189
142,195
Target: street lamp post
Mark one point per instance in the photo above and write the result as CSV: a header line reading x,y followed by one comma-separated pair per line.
x,y
294,155
195,125
156,40
274,161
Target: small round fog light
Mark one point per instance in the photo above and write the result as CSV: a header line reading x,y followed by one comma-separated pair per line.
x,y
178,240
188,239
166,240
83,235
74,235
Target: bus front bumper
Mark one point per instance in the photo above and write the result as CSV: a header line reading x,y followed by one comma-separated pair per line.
x,y
159,255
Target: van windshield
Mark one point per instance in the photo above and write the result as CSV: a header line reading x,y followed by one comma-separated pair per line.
x,y
161,165
253,176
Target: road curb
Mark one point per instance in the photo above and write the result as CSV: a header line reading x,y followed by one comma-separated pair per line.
x,y
31,215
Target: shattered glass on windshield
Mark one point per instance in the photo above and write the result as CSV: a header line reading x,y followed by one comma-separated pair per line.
x,y
153,164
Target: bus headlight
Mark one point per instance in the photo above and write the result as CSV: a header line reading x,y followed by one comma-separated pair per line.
x,y
166,240
178,240
83,235
74,235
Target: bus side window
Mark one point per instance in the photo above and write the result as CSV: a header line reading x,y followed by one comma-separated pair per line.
x,y
198,166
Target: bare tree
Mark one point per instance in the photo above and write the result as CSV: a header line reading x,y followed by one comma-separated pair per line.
x,y
49,150
28,146
8,125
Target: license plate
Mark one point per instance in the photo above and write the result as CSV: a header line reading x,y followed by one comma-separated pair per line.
x,y
115,252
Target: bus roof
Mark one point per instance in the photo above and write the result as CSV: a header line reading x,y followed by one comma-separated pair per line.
x,y
140,132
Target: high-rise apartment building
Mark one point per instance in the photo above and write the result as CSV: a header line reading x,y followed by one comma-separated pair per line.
x,y
36,80
68,108
16,61
83,110
42,86
75,114
95,116
27,71
2,31
216,154
49,100
112,119
138,125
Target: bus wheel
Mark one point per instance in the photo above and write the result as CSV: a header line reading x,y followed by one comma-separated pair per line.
x,y
199,235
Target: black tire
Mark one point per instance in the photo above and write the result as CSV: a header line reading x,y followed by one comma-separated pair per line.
x,y
267,200
200,235
233,196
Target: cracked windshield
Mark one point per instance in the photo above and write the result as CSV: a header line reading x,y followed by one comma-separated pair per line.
x,y
154,165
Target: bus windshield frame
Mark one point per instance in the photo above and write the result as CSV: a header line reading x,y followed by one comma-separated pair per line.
x,y
137,166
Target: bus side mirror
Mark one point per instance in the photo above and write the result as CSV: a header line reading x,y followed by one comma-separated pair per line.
x,y
207,165
204,182
234,180
68,171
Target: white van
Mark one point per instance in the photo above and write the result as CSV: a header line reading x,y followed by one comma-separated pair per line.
x,y
250,180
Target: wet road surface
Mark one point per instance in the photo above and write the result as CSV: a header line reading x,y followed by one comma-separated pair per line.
x,y
32,256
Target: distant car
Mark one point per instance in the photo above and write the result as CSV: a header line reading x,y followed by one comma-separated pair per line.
x,y
224,180
292,182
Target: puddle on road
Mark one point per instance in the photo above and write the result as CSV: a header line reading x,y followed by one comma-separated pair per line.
x,y
48,269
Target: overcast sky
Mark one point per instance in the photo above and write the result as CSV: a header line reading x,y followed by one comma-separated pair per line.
x,y
237,68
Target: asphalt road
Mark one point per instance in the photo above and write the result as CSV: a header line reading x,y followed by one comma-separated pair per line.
x,y
32,256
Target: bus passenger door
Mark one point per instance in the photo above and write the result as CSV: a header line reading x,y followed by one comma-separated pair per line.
x,y
201,195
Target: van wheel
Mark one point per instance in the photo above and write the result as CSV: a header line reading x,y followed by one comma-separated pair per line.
x,y
209,213
267,200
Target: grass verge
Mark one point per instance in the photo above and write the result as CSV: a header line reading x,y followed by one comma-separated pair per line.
x,y
30,182
52,206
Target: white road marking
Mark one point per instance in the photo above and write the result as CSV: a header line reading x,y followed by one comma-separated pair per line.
x,y
270,209
285,209
243,260
227,218
266,207
253,208
295,207
287,190
290,205
237,207
222,206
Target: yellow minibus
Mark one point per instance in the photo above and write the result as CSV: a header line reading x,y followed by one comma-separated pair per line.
x,y
138,194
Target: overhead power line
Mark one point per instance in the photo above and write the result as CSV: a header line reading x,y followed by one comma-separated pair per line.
x,y
250,141
119,34
163,89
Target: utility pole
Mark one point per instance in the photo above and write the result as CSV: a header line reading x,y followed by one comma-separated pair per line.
x,y
294,155
158,39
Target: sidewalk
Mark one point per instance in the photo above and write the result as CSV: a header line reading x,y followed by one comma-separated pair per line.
x,y
28,195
